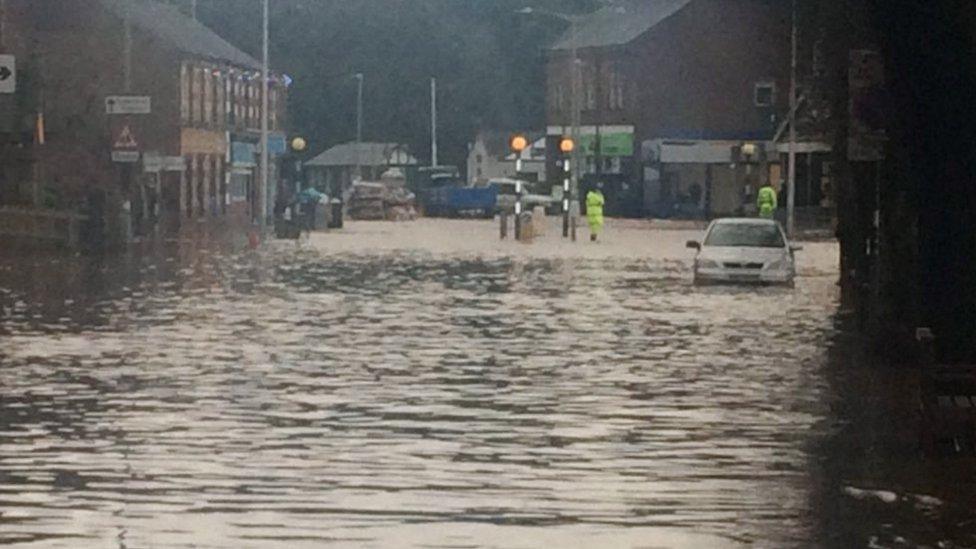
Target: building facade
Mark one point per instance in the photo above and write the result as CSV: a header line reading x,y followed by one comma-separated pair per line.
x,y
672,92
335,169
146,122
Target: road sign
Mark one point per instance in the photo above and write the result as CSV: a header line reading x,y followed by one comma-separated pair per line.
x,y
174,164
155,163
128,157
128,104
125,139
8,74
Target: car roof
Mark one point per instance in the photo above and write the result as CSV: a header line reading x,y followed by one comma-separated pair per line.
x,y
745,221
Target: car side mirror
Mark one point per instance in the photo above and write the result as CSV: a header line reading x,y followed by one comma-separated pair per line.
x,y
796,248
693,244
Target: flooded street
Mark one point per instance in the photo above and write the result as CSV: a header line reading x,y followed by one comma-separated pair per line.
x,y
425,385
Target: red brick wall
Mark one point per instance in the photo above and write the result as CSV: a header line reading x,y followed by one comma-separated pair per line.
x,y
693,74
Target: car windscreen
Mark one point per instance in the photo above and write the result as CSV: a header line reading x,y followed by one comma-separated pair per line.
x,y
745,235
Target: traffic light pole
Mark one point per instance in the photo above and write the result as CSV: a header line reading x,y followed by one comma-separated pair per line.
x,y
567,181
576,121
518,196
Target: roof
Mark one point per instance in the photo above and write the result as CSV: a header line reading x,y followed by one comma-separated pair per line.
x,y
360,154
744,221
619,24
180,32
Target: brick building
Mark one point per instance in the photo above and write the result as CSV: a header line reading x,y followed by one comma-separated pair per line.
x,y
671,90
189,163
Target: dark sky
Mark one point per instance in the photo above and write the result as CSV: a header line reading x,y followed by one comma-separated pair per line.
x,y
487,58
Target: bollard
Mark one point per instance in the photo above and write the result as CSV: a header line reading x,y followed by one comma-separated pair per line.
x,y
538,221
565,218
518,222
526,227
503,222
518,206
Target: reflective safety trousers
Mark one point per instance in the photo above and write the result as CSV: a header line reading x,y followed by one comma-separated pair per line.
x,y
594,210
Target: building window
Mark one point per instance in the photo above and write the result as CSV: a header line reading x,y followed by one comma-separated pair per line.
x,y
208,97
199,185
252,94
615,95
209,174
191,185
200,85
559,97
219,113
239,101
220,169
184,94
191,81
765,94
478,158
273,108
228,100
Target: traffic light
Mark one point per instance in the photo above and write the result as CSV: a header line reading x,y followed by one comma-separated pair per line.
x,y
519,143
566,145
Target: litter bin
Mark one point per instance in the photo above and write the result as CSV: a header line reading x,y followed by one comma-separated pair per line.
x,y
335,219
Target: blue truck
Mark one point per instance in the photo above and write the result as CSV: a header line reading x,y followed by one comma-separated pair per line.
x,y
441,192
451,201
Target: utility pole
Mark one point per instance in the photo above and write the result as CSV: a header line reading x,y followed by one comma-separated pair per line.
x,y
433,122
193,9
263,188
791,177
576,121
359,123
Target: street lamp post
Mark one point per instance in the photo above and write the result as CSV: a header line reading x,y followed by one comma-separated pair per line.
x,y
359,122
576,120
433,122
263,190
791,174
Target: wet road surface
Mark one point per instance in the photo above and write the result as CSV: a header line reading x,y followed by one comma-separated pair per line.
x,y
410,386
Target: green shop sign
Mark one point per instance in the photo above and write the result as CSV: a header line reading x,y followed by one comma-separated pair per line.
x,y
611,144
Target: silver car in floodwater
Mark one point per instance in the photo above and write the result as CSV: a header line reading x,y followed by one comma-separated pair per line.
x,y
744,251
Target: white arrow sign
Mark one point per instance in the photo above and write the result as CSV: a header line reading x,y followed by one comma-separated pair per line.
x,y
8,74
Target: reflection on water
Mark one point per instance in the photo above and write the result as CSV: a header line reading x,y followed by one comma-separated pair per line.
x,y
294,398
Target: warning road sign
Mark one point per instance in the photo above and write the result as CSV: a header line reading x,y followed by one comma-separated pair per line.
x,y
125,139
8,74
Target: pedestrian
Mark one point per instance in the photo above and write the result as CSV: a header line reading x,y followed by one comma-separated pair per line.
x,y
594,211
766,201
309,200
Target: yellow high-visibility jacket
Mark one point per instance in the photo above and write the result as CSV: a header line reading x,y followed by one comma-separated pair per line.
x,y
766,201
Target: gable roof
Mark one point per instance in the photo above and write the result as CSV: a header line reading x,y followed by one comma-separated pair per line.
x,y
180,32
363,154
619,24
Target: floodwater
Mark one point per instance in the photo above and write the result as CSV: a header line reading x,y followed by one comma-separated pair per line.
x,y
424,385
